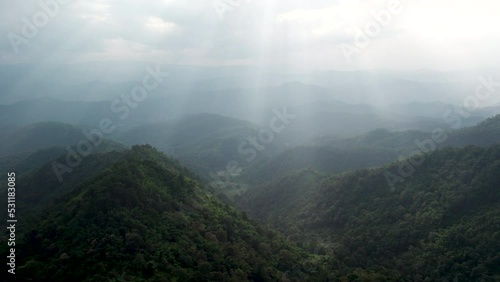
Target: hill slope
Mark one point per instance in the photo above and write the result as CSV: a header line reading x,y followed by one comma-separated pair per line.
x,y
440,223
324,159
20,139
205,142
485,133
145,219
375,148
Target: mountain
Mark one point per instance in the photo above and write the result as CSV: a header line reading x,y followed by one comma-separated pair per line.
x,y
19,139
484,134
144,218
23,148
307,155
31,152
439,222
325,159
320,110
98,80
375,148
23,162
205,142
53,110
39,183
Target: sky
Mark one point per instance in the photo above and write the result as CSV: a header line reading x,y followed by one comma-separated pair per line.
x,y
302,35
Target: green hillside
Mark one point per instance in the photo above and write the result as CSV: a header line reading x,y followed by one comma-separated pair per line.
x,y
145,219
375,148
18,139
26,161
205,143
441,224
484,134
324,159
138,215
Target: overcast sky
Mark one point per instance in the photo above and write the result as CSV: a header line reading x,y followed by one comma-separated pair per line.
x,y
296,34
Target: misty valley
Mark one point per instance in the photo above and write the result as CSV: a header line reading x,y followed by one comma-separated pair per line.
x,y
300,187
239,140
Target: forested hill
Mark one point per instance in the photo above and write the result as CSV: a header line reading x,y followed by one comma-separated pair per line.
x,y
375,148
19,139
146,219
485,133
440,223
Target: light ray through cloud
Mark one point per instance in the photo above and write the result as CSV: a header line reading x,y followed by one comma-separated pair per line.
x,y
275,33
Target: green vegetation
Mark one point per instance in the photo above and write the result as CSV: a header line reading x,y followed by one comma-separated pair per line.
x,y
26,161
139,215
26,148
325,159
484,134
441,224
205,143
375,148
146,219
20,139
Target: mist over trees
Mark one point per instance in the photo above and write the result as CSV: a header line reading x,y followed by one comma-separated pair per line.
x,y
254,141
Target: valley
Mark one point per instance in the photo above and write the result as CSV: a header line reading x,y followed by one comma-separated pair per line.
x,y
327,208
250,141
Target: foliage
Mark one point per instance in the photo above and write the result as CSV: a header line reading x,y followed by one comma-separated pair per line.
x,y
440,224
145,218
325,159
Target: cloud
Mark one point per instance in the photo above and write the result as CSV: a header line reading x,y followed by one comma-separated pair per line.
x,y
299,33
159,25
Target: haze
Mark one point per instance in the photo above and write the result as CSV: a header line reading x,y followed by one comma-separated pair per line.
x,y
298,35
250,140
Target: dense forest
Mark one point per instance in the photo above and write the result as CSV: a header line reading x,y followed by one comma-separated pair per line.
x,y
250,141
334,210
145,219
440,224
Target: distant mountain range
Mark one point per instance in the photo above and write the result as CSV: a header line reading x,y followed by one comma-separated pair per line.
x,y
375,148
130,211
93,81
208,142
317,114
